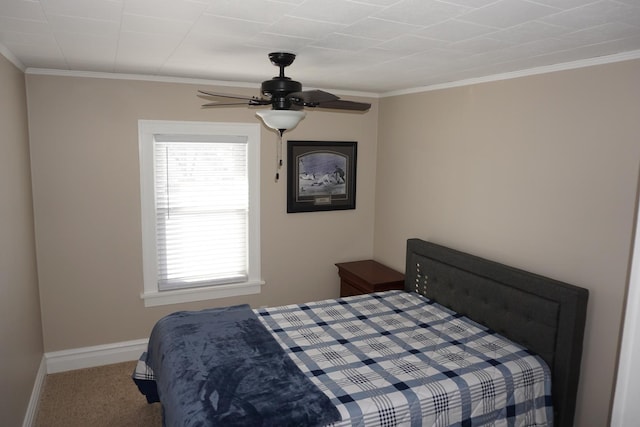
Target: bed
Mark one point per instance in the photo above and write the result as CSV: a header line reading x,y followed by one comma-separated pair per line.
x,y
469,342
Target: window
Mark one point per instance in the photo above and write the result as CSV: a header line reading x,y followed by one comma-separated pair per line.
x,y
200,210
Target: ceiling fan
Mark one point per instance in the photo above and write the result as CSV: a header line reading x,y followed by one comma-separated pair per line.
x,y
286,97
287,100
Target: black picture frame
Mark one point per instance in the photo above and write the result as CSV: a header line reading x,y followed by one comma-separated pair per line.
x,y
321,175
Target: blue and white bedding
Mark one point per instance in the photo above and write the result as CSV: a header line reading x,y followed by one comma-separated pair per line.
x,y
222,367
398,359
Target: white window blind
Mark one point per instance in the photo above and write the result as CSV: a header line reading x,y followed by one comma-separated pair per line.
x,y
201,189
200,206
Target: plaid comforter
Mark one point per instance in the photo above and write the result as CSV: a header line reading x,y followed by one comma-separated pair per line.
x,y
396,358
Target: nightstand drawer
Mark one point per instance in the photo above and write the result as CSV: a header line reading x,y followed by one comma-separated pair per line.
x,y
367,276
346,289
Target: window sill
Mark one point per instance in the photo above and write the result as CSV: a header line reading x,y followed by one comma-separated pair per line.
x,y
153,299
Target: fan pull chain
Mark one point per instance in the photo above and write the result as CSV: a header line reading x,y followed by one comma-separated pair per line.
x,y
279,155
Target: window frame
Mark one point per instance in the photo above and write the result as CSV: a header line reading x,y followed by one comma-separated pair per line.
x,y
147,129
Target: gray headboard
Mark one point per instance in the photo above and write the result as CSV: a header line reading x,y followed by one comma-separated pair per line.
x,y
542,314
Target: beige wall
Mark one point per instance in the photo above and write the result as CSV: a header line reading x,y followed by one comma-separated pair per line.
x,y
84,147
20,327
538,172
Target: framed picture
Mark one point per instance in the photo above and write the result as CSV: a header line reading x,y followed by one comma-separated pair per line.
x,y
321,175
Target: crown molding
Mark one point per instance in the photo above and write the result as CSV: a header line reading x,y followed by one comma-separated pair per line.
x,y
626,56
139,77
169,79
4,51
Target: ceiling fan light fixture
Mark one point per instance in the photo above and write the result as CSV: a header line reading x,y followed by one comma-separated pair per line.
x,y
281,120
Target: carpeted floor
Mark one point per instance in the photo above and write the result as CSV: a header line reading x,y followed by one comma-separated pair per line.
x,y
96,397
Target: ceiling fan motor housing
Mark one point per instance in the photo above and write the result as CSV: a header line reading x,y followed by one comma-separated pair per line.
x,y
277,89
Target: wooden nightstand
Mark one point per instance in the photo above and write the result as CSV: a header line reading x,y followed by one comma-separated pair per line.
x,y
363,277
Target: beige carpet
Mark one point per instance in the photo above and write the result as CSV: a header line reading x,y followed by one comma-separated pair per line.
x,y
96,397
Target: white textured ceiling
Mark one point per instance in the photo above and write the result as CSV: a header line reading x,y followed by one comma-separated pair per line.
x,y
373,46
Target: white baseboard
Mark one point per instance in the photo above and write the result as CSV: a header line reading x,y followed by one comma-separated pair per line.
x,y
32,409
88,357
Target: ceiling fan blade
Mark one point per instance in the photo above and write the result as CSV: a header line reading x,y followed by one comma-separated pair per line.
x,y
341,104
224,95
226,104
251,100
311,97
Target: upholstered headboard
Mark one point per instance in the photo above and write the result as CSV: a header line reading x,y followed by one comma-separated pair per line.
x,y
542,314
